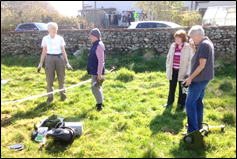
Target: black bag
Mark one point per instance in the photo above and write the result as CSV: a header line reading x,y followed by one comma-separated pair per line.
x,y
64,135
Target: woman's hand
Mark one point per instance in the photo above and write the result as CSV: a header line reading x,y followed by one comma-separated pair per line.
x,y
39,67
69,67
100,78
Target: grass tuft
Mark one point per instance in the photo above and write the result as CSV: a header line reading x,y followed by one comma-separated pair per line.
x,y
125,75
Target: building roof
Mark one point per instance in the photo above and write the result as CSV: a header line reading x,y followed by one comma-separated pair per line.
x,y
91,9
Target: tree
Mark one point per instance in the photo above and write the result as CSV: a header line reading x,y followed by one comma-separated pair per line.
x,y
168,11
16,12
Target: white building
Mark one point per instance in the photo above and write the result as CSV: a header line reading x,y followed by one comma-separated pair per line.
x,y
119,5
107,14
203,5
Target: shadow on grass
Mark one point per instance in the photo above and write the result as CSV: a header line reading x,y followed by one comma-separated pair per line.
x,y
173,123
53,147
168,122
183,152
80,117
38,111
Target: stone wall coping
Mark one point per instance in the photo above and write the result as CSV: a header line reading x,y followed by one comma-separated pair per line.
x,y
121,29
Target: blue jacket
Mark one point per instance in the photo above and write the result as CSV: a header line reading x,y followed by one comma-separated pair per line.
x,y
92,65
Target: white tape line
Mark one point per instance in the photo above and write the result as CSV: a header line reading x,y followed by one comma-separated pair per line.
x,y
46,93
51,92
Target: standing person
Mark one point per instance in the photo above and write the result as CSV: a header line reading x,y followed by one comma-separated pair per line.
x,y
129,18
96,66
202,71
55,58
178,65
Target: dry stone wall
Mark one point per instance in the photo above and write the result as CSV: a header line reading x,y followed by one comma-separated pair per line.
x,y
116,40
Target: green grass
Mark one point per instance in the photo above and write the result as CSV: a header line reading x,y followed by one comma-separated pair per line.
x,y
133,122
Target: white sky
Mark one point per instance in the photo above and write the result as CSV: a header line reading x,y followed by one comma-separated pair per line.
x,y
68,8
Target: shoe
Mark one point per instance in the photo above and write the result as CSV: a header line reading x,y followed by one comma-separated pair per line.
x,y
184,133
166,105
49,101
186,125
64,99
99,107
182,107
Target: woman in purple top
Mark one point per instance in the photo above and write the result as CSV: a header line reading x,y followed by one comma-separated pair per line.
x,y
96,66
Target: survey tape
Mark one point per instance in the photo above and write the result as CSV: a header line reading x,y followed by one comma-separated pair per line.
x,y
41,95
46,93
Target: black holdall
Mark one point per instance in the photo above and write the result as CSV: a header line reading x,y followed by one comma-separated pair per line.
x,y
64,135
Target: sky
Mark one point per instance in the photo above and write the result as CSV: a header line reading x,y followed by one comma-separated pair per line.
x,y
68,8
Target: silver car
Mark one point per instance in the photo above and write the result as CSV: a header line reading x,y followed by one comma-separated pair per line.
x,y
153,24
31,26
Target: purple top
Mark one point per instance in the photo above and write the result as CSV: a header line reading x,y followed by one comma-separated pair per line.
x,y
100,56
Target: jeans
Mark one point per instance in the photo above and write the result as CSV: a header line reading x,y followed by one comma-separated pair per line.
x,y
194,105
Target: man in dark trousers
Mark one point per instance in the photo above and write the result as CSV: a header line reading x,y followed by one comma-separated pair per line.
x,y
96,66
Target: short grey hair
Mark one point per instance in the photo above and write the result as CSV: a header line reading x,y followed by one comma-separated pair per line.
x,y
50,24
196,29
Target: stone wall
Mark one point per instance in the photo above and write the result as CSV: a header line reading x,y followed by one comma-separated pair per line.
x,y
116,40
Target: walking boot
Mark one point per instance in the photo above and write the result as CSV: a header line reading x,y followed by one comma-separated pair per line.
x,y
99,106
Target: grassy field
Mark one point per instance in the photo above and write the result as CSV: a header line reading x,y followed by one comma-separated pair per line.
x,y
133,123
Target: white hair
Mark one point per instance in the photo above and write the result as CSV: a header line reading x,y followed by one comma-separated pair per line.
x,y
196,29
50,24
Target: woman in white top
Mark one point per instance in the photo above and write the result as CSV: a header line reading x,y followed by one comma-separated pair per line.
x,y
55,58
178,65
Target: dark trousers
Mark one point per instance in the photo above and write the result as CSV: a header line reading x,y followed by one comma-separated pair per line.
x,y
172,88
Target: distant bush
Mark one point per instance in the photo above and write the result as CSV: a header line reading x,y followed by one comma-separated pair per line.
x,y
229,118
226,86
125,75
82,58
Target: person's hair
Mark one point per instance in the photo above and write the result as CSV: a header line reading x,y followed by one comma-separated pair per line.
x,y
50,24
196,29
182,34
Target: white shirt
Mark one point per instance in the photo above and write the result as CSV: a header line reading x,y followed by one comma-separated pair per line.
x,y
53,44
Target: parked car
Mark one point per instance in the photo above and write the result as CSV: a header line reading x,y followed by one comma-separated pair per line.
x,y
153,24
31,26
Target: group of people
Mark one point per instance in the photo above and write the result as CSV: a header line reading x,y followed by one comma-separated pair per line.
x,y
113,19
189,62
55,58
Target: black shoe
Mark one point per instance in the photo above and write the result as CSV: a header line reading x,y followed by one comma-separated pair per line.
x,y
182,107
49,101
64,99
99,107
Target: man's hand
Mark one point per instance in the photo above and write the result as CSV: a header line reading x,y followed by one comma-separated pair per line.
x,y
192,45
39,67
69,66
188,81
